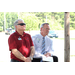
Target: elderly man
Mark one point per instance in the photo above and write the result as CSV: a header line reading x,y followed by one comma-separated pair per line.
x,y
20,44
43,44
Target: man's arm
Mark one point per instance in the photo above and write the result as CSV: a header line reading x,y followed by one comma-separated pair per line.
x,y
51,50
21,57
18,54
32,51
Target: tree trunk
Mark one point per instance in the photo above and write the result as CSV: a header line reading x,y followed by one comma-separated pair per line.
x,y
67,37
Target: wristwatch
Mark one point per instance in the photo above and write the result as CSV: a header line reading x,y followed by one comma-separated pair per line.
x,y
31,58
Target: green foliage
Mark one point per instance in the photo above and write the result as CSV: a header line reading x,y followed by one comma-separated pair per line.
x,y
1,21
10,19
1,29
33,20
53,18
72,20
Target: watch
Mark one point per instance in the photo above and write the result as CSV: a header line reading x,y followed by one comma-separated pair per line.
x,y
31,58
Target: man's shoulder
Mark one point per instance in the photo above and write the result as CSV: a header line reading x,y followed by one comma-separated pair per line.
x,y
48,38
13,34
27,35
35,36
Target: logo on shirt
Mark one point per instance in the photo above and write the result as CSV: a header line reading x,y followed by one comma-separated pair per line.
x,y
38,40
19,38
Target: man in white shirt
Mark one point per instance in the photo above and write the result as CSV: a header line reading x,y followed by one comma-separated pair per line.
x,y
47,49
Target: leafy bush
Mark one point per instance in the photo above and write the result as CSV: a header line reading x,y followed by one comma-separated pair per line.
x,y
1,29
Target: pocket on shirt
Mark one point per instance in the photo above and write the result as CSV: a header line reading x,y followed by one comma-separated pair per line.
x,y
38,44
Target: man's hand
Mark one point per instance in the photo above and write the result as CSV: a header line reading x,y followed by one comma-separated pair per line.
x,y
47,54
28,59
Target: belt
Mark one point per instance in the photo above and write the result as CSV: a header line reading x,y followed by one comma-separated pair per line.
x,y
13,60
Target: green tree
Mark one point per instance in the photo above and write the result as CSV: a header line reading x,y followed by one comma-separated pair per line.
x,y
31,21
1,21
10,19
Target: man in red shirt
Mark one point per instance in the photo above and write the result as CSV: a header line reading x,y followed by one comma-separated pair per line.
x,y
20,44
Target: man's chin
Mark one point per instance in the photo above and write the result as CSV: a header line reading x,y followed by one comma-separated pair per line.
x,y
24,29
47,34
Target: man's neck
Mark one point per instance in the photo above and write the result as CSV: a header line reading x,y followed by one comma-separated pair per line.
x,y
20,32
43,35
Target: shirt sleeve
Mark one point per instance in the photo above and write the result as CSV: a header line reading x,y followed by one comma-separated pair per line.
x,y
37,54
33,39
31,42
12,43
51,48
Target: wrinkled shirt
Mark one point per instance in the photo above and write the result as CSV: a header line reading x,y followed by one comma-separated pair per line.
x,y
37,40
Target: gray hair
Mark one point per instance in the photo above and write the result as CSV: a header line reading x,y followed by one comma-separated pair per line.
x,y
44,24
16,22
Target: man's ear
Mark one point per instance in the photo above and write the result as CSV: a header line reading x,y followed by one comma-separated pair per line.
x,y
40,28
15,26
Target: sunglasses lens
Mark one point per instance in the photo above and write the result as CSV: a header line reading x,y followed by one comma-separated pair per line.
x,y
21,24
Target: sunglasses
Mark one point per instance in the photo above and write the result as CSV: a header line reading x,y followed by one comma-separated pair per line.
x,y
21,24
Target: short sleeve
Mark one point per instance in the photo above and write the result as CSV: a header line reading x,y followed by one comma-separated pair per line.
x,y
51,50
12,43
31,42
33,39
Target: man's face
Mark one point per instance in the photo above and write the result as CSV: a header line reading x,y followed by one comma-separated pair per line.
x,y
45,30
20,27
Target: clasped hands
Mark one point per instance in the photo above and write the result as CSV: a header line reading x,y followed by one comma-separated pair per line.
x,y
47,54
28,59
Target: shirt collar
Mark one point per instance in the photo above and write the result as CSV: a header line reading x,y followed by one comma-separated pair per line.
x,y
42,36
19,34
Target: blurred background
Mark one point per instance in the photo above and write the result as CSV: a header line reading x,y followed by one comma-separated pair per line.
x,y
33,21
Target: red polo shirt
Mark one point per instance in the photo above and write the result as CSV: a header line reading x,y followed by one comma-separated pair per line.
x,y
21,43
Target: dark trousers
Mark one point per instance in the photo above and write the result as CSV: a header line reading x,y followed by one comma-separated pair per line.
x,y
13,60
55,59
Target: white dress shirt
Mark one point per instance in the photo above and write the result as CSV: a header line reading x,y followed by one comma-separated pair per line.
x,y
37,40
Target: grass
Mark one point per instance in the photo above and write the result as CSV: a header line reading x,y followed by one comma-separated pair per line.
x,y
72,55
63,38
72,38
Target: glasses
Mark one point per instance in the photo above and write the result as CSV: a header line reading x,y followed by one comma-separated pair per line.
x,y
47,28
21,24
